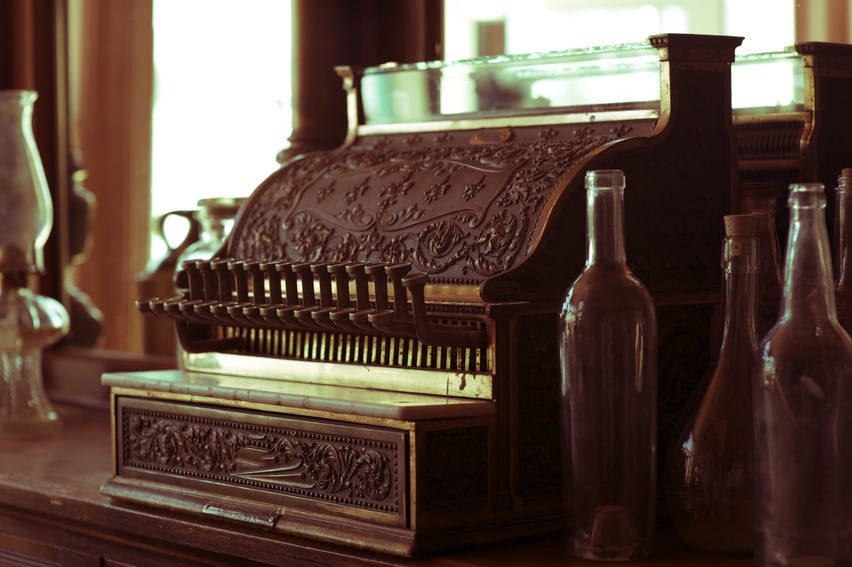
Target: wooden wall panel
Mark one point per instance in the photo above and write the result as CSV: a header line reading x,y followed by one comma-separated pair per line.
x,y
115,40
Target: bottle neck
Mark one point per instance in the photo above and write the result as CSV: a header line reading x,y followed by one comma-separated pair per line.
x,y
843,236
213,228
605,221
808,279
768,255
740,271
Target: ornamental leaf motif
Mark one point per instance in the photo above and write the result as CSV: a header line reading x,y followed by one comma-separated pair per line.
x,y
359,474
437,190
343,248
171,443
392,192
496,244
357,191
397,250
324,192
310,238
472,189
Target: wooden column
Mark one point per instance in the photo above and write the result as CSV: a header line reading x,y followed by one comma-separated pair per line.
x,y
824,20
114,43
358,33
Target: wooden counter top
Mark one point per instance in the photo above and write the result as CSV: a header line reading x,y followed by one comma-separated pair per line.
x,y
52,512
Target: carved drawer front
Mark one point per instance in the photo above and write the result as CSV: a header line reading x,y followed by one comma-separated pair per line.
x,y
337,468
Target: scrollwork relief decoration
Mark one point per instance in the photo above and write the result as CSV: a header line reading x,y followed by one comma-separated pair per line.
x,y
347,470
458,212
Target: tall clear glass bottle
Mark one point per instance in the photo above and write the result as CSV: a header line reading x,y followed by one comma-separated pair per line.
x,y
609,389
802,387
843,248
709,477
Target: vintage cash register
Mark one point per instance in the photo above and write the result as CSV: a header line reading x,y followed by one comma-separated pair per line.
x,y
372,357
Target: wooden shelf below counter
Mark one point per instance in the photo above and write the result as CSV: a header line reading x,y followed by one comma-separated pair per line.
x,y
53,513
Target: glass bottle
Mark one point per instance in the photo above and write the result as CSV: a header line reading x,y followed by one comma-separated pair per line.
x,y
609,389
843,248
803,406
709,481
215,217
157,281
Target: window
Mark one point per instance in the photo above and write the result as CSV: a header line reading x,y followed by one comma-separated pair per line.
x,y
222,106
478,27
549,25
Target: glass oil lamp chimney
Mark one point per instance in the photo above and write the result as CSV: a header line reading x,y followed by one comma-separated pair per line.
x,y
28,322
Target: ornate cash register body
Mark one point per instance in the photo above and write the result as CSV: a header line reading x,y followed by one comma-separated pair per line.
x,y
372,357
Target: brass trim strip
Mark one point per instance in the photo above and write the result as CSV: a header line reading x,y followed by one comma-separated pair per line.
x,y
282,396
762,116
441,382
509,121
193,399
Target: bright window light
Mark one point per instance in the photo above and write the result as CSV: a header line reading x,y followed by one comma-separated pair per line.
x,y
554,25
222,107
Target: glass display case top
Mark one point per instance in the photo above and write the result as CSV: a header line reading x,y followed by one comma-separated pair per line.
x,y
623,76
587,81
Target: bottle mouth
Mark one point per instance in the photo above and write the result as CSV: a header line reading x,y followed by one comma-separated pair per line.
x,y
806,195
220,207
605,179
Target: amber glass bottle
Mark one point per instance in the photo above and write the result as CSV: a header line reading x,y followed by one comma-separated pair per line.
x,y
709,476
609,389
802,395
769,262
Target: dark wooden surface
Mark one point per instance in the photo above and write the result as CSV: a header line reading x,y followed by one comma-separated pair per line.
x,y
52,513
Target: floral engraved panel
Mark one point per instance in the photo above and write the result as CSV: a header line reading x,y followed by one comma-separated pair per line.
x,y
460,213
346,470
